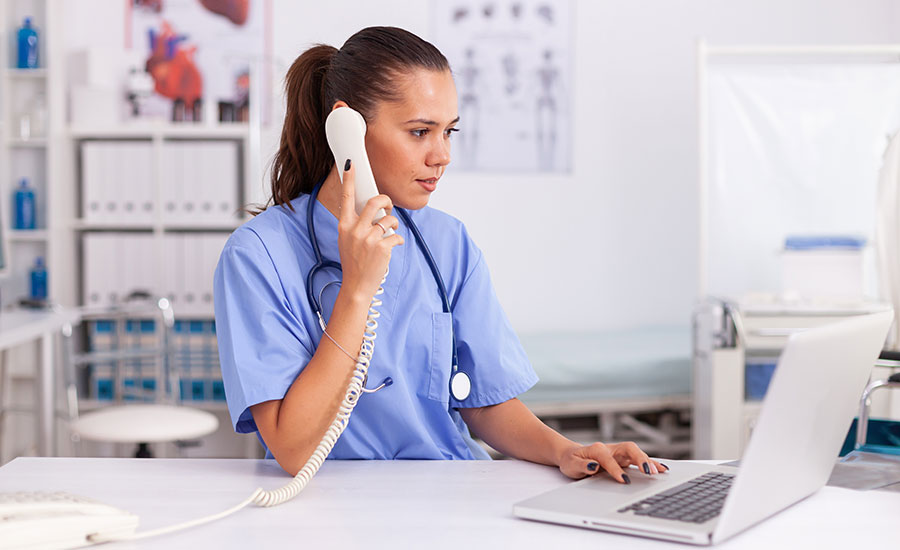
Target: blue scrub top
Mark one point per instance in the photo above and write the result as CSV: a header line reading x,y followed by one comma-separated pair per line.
x,y
267,332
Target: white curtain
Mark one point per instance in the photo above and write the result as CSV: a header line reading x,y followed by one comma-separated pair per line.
x,y
795,149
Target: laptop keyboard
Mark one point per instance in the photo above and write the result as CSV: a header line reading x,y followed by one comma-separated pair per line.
x,y
694,501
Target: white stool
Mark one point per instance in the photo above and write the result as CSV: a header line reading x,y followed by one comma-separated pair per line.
x,y
148,423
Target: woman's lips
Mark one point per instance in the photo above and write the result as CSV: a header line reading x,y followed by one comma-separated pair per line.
x,y
429,184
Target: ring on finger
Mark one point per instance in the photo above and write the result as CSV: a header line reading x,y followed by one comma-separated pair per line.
x,y
383,228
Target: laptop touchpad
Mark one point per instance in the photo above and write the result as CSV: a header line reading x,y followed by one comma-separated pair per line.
x,y
639,482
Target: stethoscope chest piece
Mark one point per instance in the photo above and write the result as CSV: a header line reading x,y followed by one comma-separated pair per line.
x,y
460,385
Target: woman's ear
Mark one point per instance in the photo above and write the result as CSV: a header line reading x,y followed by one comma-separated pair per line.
x,y
339,103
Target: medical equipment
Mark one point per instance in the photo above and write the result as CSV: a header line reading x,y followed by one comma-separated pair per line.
x,y
345,131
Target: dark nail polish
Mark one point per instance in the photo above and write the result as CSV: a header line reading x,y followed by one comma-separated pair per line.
x,y
347,165
592,466
646,468
664,466
627,479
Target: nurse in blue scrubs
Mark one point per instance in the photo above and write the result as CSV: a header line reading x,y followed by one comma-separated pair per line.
x,y
284,377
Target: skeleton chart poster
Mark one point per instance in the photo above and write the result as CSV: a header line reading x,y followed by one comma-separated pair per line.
x,y
512,63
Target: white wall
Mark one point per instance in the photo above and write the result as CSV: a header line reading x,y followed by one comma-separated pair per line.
x,y
614,243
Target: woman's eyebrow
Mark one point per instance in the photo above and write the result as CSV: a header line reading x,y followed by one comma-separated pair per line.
x,y
427,122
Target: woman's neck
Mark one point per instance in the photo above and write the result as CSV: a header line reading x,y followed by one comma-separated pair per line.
x,y
330,193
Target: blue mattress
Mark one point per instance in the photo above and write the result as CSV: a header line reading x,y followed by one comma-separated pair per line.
x,y
639,363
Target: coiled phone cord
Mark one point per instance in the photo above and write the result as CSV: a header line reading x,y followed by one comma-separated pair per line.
x,y
341,420
264,498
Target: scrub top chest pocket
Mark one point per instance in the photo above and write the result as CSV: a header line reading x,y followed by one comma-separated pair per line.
x,y
441,352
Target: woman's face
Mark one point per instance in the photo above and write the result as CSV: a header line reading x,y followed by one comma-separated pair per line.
x,y
408,141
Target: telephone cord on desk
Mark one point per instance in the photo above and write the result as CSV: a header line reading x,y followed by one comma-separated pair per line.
x,y
275,497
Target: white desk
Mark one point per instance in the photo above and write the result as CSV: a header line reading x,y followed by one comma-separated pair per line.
x,y
403,504
21,326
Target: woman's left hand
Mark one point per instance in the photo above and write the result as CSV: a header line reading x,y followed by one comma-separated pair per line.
x,y
581,461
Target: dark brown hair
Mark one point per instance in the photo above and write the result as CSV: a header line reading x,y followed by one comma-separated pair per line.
x,y
361,73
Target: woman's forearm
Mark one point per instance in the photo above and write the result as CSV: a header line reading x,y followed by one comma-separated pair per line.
x,y
294,426
511,428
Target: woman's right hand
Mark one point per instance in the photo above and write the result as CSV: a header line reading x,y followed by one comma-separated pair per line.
x,y
365,252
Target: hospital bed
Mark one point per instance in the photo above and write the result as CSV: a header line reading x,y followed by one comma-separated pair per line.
x,y
616,385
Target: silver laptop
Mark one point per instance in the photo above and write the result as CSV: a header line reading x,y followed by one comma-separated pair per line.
x,y
807,411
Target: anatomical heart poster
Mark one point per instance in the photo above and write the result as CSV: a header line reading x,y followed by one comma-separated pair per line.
x,y
198,55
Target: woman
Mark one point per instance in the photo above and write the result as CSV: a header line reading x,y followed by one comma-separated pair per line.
x,y
284,377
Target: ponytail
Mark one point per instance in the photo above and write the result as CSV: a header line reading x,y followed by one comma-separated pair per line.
x,y
303,158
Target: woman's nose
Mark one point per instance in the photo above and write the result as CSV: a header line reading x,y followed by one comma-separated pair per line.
x,y
439,155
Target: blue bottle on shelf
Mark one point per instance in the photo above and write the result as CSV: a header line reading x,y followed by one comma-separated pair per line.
x,y
39,280
24,214
28,46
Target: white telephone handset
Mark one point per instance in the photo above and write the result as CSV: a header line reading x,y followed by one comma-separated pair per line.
x,y
345,130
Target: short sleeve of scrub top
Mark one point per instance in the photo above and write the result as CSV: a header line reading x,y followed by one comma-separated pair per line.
x,y
267,333
257,330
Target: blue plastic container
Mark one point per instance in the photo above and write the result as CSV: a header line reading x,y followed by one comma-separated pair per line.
x,y
27,39
756,380
39,280
25,210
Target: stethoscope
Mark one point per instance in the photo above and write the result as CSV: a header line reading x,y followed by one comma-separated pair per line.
x,y
460,384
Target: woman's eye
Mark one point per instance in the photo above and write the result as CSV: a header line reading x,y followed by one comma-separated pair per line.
x,y
450,131
419,133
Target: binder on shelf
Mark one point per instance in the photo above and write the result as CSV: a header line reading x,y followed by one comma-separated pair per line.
x,y
206,184
138,263
91,181
223,181
175,275
193,272
139,189
116,164
212,248
172,180
127,175
100,269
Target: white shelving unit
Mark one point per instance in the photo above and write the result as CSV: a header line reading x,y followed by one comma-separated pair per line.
x,y
36,157
159,135
52,162
32,156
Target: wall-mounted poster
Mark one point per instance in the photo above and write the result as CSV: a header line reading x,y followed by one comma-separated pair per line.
x,y
512,62
198,54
